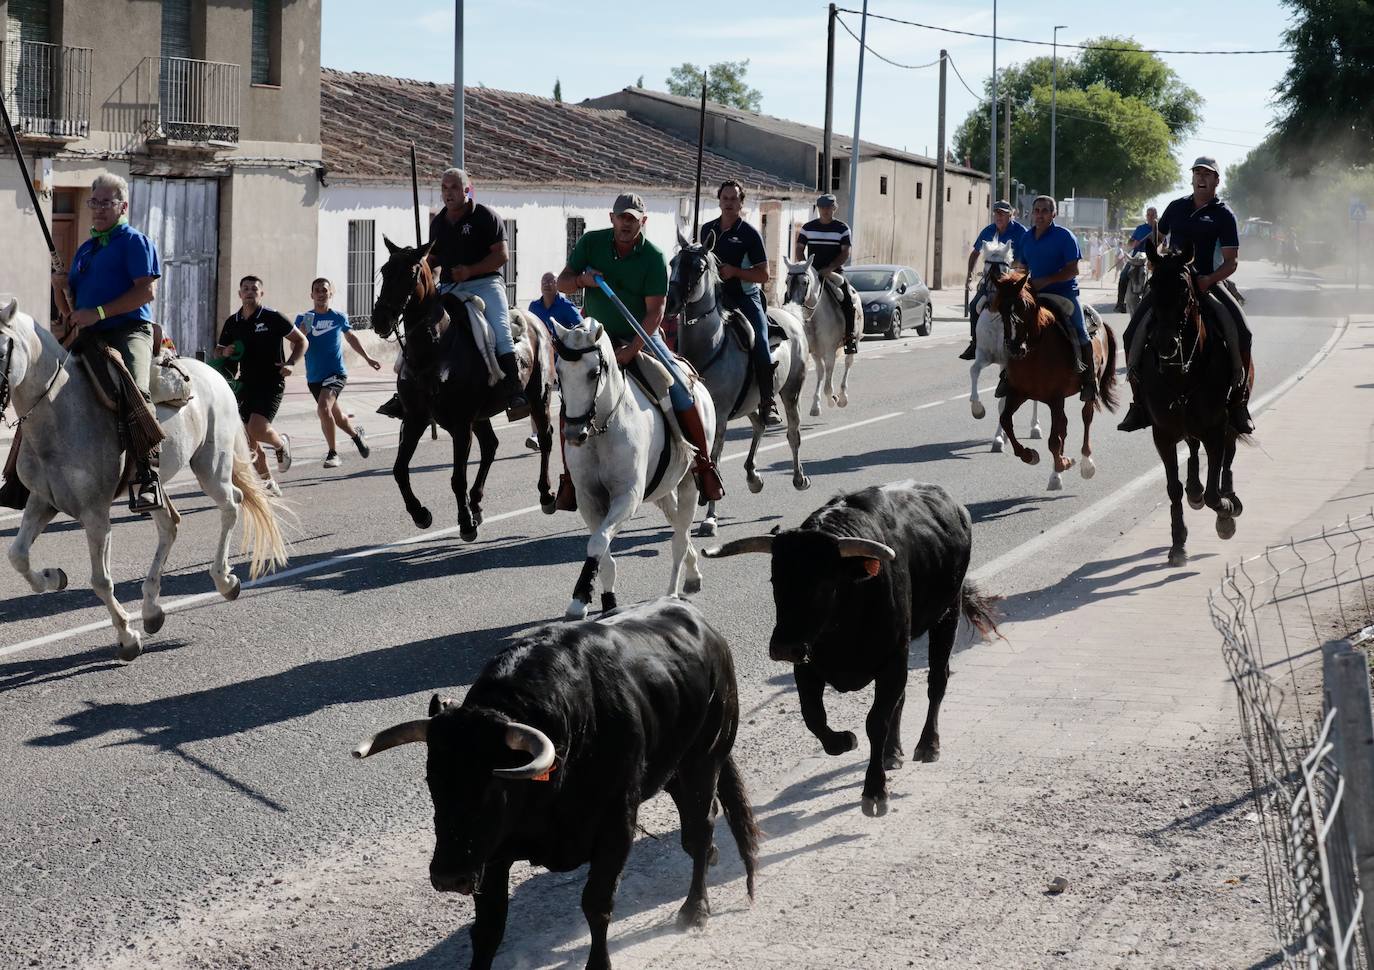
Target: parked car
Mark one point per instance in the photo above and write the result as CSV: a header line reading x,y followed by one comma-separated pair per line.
x,y
893,297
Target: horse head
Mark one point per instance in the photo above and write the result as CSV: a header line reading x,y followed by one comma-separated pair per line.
x,y
406,279
692,275
20,343
1173,282
803,284
585,355
1016,305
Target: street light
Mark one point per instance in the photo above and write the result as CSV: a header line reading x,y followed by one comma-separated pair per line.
x,y
1054,97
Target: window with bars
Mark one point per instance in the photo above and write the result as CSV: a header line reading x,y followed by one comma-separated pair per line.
x,y
919,188
576,227
509,271
362,271
882,185
266,65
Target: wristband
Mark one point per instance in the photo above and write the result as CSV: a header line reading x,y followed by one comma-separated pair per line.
x,y
100,312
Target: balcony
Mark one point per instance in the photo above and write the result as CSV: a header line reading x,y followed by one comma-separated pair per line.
x,y
47,89
195,103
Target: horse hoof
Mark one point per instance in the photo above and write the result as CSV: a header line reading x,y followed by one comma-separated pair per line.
x,y
801,482
926,754
1226,526
875,807
707,528
577,610
1035,433
1236,507
892,762
815,411
1031,457
755,484
129,652
692,916
712,855
548,506
61,580
1178,557
423,519
1088,469
476,517
153,621
842,400
468,535
1195,501
235,587
978,410
692,586
998,445
1056,483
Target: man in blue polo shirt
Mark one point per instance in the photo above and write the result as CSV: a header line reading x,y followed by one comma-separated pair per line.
x,y
1137,243
1050,253
553,305
1002,229
114,281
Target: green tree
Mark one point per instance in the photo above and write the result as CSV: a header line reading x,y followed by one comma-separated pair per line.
x,y
558,90
1324,96
725,84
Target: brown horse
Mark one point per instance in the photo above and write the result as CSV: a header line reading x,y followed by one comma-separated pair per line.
x,y
1044,367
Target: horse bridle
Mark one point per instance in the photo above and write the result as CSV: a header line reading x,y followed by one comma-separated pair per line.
x,y
1192,310
5,384
806,275
602,372
708,293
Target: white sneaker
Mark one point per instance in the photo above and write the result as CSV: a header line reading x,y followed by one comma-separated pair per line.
x,y
284,454
332,460
272,488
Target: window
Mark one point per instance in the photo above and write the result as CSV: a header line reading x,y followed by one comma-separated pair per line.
x,y
508,272
970,196
919,187
362,271
266,67
576,227
949,195
835,169
882,185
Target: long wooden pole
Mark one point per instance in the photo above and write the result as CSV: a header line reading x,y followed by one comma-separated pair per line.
x,y
701,147
415,196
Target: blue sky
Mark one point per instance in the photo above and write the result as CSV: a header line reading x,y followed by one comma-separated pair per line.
x,y
596,47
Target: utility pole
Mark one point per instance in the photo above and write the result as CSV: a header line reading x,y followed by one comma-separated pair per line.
x,y
1054,98
854,149
458,83
937,263
824,180
992,107
1006,148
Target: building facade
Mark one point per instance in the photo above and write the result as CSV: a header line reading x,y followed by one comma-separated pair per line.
x,y
210,109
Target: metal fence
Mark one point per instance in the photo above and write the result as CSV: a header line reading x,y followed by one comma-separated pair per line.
x,y
1310,756
48,88
194,100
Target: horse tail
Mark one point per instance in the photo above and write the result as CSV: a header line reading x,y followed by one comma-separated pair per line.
x,y
261,529
979,609
734,799
1106,396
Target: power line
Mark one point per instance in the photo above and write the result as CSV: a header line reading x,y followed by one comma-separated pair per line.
x,y
1046,43
950,60
888,60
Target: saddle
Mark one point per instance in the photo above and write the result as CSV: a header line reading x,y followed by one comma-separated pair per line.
x,y
1062,308
738,326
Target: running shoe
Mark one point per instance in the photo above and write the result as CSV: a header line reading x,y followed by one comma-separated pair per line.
x,y
284,454
332,460
360,441
271,487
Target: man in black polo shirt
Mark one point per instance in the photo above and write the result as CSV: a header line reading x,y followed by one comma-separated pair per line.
x,y
743,266
1207,224
262,372
827,240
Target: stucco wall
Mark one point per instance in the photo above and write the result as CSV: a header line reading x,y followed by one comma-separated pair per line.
x,y
268,229
23,253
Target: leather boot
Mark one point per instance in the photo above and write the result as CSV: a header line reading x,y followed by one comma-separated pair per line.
x,y
393,408
708,478
763,374
517,407
1087,378
146,495
1121,293
971,351
1240,408
13,494
1136,417
851,339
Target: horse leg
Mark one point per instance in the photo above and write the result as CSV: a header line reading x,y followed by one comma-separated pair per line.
x,y
974,371
603,530
708,523
37,515
411,430
1088,468
751,476
458,482
999,438
487,443
1215,444
218,486
830,377
1059,433
543,432
819,366
843,398
800,481
1194,486
1014,400
677,508
97,527
153,616
1035,432
1168,454
1227,487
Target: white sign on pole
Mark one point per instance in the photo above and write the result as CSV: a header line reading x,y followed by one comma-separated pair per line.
x,y
1357,212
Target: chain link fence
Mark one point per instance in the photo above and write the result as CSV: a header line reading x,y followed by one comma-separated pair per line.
x,y
1284,617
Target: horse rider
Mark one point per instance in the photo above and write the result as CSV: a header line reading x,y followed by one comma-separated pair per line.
x,y
468,248
1137,241
113,281
637,272
1050,254
826,239
743,266
1207,224
1002,229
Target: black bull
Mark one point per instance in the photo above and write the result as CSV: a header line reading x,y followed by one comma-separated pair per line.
x,y
559,740
861,577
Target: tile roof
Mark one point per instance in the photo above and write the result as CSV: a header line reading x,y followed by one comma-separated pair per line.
x,y
368,120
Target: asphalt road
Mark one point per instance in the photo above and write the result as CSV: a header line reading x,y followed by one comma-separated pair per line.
x,y
133,793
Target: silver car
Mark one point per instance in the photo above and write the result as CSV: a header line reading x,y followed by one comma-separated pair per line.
x,y
893,297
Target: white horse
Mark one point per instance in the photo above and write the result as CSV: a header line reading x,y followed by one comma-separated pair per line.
x,y
824,324
1137,278
71,462
623,451
990,341
727,368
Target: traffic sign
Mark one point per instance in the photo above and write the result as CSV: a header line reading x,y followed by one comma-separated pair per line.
x,y
1357,212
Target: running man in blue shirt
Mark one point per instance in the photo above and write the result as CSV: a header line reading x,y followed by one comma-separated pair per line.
x,y
1003,228
1050,254
325,374
1137,242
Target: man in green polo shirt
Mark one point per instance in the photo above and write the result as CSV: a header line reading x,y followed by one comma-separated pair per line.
x,y
637,273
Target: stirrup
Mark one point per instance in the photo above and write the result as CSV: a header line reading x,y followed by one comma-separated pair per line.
x,y
518,409
392,408
13,493
138,503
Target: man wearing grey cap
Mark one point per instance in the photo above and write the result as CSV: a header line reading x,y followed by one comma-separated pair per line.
x,y
826,239
1003,229
1206,224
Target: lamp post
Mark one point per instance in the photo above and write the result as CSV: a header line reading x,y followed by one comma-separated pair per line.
x,y
1054,97
992,113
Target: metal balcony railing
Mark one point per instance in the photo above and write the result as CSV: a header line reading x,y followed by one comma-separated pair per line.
x,y
47,88
194,100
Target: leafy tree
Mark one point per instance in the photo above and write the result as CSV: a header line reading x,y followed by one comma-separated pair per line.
x,y
725,84
558,90
1135,74
1324,96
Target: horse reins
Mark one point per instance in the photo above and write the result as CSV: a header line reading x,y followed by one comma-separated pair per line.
x,y
602,371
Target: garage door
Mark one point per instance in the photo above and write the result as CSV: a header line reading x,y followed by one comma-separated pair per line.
x,y
181,217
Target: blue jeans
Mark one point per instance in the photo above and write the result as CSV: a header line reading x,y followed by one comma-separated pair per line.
x,y
752,307
492,290
1076,318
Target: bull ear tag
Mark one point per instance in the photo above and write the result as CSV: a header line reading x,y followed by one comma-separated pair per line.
x,y
545,776
871,567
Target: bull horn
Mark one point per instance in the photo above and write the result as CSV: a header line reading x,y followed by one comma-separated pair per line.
x,y
738,546
865,548
522,737
393,736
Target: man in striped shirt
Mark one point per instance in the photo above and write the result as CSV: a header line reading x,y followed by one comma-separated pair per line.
x,y
827,241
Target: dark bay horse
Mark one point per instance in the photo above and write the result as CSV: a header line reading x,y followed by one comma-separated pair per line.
x,y
446,381
1044,367
1185,383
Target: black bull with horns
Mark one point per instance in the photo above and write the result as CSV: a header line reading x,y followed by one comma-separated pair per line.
x,y
557,743
862,576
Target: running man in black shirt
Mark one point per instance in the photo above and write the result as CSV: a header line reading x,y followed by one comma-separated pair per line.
x,y
827,240
743,266
262,372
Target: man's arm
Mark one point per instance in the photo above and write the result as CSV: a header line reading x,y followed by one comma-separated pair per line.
x,y
297,341
800,248
497,257
1070,271
754,274
1229,257
357,345
653,319
839,260
143,291
972,261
